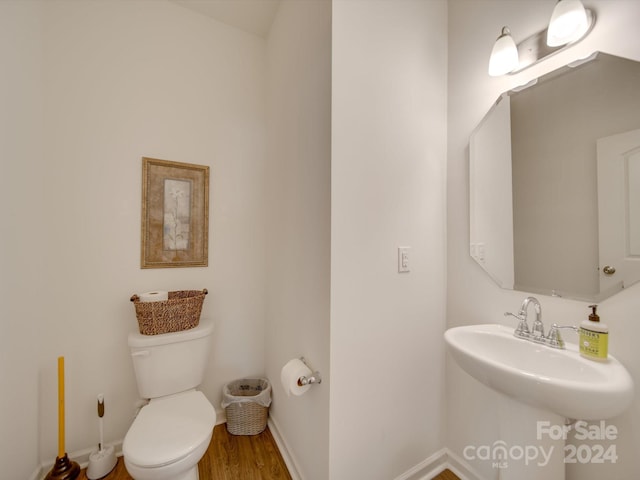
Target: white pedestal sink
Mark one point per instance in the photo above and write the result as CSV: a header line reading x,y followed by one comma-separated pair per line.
x,y
537,384
529,456
560,381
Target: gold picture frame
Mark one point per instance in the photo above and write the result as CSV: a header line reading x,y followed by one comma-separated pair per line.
x,y
175,214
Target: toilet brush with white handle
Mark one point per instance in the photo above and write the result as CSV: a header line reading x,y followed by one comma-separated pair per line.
x,y
102,461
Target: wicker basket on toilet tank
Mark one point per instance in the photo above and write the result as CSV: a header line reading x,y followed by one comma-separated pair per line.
x,y
181,311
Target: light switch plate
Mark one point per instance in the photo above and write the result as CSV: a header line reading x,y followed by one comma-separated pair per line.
x,y
403,259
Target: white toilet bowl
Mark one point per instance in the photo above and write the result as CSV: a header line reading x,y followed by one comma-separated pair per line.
x,y
169,437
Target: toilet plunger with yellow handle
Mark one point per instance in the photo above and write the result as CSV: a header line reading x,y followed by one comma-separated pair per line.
x,y
63,469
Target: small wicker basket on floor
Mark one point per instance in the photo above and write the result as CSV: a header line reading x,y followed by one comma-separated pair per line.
x,y
246,404
181,311
246,418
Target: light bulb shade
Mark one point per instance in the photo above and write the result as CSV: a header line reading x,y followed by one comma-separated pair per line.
x,y
568,23
504,56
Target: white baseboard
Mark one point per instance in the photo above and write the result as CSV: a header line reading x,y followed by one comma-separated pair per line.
x,y
221,416
428,468
425,470
461,468
82,456
436,463
285,451
37,474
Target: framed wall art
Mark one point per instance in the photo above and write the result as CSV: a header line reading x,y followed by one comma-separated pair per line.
x,y
175,214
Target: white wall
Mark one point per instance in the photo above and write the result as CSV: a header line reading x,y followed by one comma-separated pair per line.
x,y
21,242
472,296
298,226
122,80
115,81
387,190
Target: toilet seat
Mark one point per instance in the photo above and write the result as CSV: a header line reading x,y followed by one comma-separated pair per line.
x,y
169,429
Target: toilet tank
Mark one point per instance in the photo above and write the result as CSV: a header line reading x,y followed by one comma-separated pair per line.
x,y
171,362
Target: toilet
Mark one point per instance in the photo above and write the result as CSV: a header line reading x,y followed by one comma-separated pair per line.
x,y
172,432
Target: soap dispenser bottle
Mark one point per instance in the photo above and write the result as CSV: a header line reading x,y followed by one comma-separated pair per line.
x,y
594,337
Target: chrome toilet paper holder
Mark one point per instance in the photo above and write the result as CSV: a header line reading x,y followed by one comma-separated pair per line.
x,y
311,379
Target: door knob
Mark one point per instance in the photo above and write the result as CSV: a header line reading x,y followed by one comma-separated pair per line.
x,y
608,270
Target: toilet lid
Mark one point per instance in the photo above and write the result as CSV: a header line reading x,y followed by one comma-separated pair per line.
x,y
169,429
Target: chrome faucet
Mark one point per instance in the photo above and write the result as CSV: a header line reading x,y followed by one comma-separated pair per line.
x,y
537,330
554,339
536,333
522,330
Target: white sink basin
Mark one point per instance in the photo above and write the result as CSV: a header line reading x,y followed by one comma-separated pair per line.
x,y
560,381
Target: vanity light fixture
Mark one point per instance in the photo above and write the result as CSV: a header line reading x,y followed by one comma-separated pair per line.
x,y
504,56
570,22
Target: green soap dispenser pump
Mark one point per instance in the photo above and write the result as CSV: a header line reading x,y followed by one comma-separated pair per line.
x,y
594,337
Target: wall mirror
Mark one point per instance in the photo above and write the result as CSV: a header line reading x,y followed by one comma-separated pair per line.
x,y
555,182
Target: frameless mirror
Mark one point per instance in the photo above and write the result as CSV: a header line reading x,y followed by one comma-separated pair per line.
x,y
555,182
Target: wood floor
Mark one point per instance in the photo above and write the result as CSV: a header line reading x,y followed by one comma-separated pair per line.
x,y
446,475
230,457
242,457
239,457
